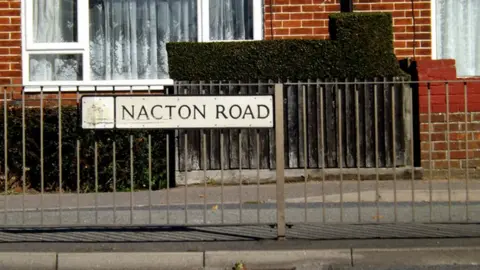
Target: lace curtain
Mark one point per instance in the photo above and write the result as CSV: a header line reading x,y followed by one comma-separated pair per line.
x,y
458,34
128,37
231,19
55,22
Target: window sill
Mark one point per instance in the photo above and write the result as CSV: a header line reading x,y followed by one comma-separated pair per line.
x,y
97,86
469,78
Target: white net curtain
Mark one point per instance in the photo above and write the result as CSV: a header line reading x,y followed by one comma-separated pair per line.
x,y
231,19
128,37
55,22
458,34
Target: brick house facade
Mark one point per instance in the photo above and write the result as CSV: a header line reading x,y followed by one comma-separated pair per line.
x,y
307,19
412,24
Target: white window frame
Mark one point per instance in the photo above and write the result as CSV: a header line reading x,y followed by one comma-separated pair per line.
x,y
82,47
433,24
433,30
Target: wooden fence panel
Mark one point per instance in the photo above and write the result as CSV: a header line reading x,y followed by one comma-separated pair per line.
x,y
306,99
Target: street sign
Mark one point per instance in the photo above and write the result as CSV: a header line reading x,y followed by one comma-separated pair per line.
x,y
177,112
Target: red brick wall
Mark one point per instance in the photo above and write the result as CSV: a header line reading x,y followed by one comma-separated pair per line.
x,y
433,134
10,42
309,19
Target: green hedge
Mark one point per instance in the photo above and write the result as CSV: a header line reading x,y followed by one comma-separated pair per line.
x,y
361,47
71,132
366,43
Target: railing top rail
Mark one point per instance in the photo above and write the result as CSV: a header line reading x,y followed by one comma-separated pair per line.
x,y
358,82
226,83
159,87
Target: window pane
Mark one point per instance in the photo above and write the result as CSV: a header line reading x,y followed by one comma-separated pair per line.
x,y
56,67
128,37
458,34
55,21
231,19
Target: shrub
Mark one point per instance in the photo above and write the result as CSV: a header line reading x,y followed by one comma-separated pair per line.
x,y
71,132
361,47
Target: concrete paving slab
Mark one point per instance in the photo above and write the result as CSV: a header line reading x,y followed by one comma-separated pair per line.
x,y
130,261
281,260
416,257
401,196
28,260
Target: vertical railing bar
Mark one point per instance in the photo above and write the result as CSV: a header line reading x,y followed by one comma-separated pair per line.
x,y
412,157
280,161
24,154
42,176
96,179
447,93
149,172
96,171
5,130
319,123
322,145
394,156
132,187
357,140
114,161
186,175
257,145
131,178
257,135
175,139
467,174
305,155
167,197
222,164
186,170
319,136
78,162
60,184
204,156
222,157
114,172
430,161
340,145
240,135
377,176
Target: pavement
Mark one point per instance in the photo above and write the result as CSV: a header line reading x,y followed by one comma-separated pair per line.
x,y
332,201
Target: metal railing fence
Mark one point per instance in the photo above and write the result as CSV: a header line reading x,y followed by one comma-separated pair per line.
x,y
374,151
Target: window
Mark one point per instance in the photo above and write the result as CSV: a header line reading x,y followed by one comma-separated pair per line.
x,y
112,42
456,34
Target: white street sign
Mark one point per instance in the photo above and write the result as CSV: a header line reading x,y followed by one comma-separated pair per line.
x,y
172,112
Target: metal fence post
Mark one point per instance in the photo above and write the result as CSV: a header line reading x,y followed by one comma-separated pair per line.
x,y
280,161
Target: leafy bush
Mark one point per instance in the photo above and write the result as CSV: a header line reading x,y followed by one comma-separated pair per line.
x,y
71,132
